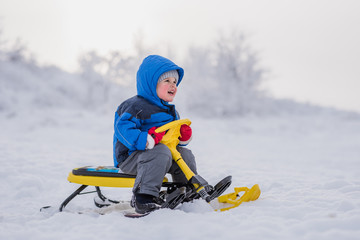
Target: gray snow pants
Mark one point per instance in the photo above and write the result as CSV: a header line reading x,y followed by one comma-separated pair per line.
x,y
150,167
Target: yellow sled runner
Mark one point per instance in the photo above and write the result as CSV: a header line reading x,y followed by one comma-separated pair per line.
x,y
175,193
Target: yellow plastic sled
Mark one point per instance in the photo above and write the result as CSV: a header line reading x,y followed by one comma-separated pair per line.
x,y
175,193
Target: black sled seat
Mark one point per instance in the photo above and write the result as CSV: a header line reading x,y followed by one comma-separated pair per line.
x,y
100,176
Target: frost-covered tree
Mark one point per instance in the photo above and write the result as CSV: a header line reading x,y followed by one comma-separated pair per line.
x,y
96,88
225,79
17,52
27,85
111,77
108,77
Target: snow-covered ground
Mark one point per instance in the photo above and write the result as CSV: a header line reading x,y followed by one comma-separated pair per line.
x,y
307,166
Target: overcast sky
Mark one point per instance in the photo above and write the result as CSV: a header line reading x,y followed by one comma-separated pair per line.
x,y
311,47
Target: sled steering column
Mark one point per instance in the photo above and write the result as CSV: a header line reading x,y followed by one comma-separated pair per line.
x,y
171,139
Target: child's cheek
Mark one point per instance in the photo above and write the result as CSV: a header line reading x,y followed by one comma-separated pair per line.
x,y
163,89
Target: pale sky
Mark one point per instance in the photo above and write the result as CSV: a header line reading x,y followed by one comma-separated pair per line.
x,y
311,47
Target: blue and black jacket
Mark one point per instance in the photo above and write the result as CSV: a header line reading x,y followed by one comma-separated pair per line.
x,y
135,116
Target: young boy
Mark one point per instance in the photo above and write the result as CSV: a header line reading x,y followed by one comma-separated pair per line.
x,y
136,144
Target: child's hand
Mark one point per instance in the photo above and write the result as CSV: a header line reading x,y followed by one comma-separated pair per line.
x,y
153,138
185,134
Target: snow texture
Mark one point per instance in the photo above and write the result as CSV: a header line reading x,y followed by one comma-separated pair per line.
x,y
307,167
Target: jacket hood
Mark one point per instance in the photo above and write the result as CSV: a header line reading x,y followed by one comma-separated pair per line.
x,y
148,74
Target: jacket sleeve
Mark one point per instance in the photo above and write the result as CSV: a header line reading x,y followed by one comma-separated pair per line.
x,y
127,131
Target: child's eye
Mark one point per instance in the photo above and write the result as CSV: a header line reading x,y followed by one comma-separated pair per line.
x,y
170,81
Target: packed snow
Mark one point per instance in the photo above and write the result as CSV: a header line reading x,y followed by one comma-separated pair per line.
x,y
306,162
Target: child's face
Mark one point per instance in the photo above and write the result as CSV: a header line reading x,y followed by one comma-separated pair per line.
x,y
166,89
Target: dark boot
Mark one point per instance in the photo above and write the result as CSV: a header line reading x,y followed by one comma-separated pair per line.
x,y
144,203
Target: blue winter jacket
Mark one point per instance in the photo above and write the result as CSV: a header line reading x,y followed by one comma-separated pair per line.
x,y
135,116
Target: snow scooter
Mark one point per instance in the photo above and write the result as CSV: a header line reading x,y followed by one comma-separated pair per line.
x,y
174,193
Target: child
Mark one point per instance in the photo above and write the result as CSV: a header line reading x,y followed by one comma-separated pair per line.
x,y
136,144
